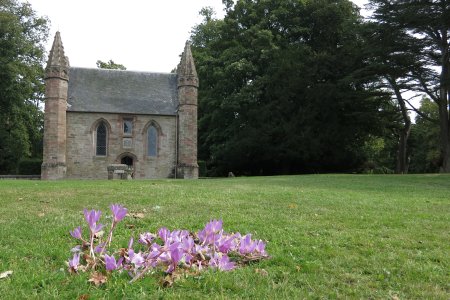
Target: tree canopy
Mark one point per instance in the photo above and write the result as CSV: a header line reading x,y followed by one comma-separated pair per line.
x,y
22,38
283,88
426,27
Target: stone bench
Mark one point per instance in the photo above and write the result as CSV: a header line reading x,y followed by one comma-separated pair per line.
x,y
119,171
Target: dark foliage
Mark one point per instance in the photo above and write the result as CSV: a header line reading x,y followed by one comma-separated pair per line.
x,y
22,35
30,166
284,88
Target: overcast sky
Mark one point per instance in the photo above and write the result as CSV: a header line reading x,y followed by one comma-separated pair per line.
x,y
145,35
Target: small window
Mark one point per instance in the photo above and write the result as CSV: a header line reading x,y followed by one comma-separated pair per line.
x,y
152,139
127,127
101,140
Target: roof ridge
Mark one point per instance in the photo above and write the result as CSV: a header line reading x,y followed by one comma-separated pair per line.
x,y
122,71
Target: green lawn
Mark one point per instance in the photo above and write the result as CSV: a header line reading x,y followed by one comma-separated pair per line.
x,y
330,236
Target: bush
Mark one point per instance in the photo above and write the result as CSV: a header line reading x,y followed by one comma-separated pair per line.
x,y
30,166
202,168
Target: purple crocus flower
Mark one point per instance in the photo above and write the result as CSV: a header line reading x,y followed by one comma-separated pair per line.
x,y
164,234
214,260
199,249
214,226
175,235
202,236
146,238
92,218
137,259
100,248
225,264
222,263
173,246
76,233
110,262
74,262
208,237
119,212
211,233
247,245
176,254
226,243
261,247
188,244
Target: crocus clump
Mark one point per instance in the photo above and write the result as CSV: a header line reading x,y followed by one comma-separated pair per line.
x,y
165,250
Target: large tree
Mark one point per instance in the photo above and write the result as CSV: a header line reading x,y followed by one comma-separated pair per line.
x,y
427,23
395,59
22,38
281,88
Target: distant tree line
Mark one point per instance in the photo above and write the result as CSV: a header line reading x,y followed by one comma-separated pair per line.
x,y
111,65
286,87
310,86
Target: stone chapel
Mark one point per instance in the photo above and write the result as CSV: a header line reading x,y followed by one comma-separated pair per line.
x,y
95,118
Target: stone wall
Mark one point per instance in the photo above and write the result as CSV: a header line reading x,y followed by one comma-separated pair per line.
x,y
82,162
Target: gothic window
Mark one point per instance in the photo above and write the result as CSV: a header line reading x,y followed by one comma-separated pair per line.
x,y
101,137
152,141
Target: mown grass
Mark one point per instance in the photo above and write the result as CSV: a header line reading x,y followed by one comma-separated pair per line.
x,y
330,236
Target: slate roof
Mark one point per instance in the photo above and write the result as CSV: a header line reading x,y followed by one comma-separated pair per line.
x,y
115,91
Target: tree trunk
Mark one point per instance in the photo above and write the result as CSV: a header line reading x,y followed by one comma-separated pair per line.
x,y
402,153
444,132
443,105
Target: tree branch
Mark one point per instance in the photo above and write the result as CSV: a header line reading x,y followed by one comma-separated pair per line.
x,y
425,88
424,116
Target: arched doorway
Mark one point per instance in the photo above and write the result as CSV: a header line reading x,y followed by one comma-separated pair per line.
x,y
127,160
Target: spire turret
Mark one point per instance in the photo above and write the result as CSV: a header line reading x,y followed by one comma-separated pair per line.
x,y
58,63
187,74
187,116
56,89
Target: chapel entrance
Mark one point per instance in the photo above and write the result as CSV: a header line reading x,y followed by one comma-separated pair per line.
x,y
126,160
129,161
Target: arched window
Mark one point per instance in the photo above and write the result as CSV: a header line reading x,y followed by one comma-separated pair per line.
x,y
152,141
101,144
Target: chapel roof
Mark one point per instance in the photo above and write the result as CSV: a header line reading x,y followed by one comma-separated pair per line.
x,y
117,91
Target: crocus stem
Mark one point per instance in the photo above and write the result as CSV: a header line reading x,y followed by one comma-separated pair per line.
x,y
140,274
110,233
92,246
108,240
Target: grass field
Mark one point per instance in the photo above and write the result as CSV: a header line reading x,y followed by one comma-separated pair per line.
x,y
330,236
